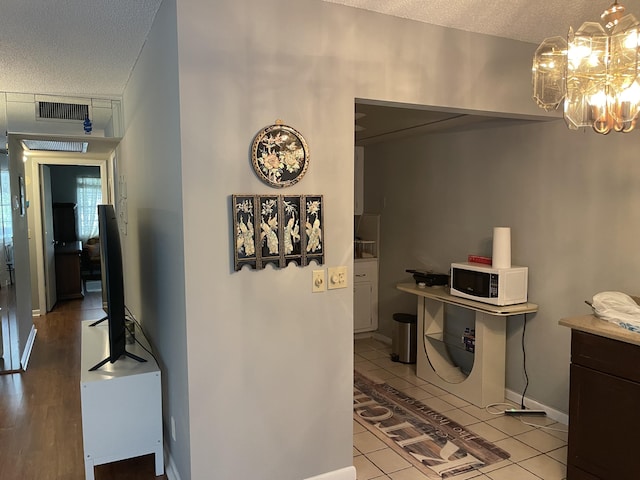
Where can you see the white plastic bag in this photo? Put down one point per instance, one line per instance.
(618, 308)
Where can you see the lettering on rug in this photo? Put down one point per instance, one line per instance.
(436, 445)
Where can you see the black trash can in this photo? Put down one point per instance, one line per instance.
(404, 338)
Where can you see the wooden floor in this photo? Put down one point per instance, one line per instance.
(40, 418)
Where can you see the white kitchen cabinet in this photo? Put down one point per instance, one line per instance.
(365, 295)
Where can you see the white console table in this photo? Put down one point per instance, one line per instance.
(485, 383)
(121, 403)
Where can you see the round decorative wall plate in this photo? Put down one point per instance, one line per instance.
(280, 155)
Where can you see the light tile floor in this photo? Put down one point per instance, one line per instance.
(536, 453)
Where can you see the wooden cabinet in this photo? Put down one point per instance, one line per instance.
(365, 295)
(604, 418)
(68, 279)
(64, 222)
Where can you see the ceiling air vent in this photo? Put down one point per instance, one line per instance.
(55, 146)
(62, 111)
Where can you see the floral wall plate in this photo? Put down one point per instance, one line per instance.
(280, 155)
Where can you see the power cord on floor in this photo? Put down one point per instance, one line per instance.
(526, 385)
(526, 376)
(545, 427)
(510, 405)
(501, 412)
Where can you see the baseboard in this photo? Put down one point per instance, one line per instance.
(170, 469)
(347, 473)
(24, 361)
(35, 312)
(374, 335)
(361, 335)
(381, 338)
(552, 413)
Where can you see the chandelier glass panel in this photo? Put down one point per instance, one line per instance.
(593, 73)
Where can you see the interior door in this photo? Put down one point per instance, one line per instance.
(49, 242)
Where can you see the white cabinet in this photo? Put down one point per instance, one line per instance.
(121, 403)
(358, 187)
(365, 295)
(362, 295)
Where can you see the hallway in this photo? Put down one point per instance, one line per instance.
(40, 416)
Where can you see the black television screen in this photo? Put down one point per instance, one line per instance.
(112, 285)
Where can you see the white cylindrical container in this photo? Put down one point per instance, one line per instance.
(501, 247)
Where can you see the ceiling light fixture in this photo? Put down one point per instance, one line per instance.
(593, 73)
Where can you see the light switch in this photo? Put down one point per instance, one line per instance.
(319, 282)
(337, 277)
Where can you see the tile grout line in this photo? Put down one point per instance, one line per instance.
(377, 358)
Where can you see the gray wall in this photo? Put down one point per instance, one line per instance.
(270, 363)
(149, 194)
(572, 200)
(257, 370)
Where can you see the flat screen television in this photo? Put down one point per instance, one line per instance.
(112, 286)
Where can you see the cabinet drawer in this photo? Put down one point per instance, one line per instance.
(605, 355)
(365, 271)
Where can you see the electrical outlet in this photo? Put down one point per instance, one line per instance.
(337, 277)
(319, 281)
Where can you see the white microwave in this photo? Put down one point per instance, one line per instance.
(483, 283)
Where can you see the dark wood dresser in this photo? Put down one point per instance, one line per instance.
(68, 280)
(604, 401)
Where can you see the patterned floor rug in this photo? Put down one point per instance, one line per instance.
(434, 444)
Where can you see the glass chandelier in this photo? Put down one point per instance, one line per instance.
(593, 73)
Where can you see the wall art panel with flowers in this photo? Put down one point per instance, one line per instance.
(277, 229)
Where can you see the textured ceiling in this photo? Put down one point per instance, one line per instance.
(87, 48)
(82, 47)
(376, 122)
(526, 20)
(71, 47)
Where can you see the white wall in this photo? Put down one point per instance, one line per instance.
(270, 363)
(572, 200)
(22, 277)
(149, 163)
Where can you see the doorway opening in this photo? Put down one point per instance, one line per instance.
(74, 192)
(82, 180)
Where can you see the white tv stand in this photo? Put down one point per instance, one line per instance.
(121, 403)
(485, 383)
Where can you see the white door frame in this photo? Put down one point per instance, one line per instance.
(37, 160)
(48, 247)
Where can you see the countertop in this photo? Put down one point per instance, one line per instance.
(442, 294)
(597, 326)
